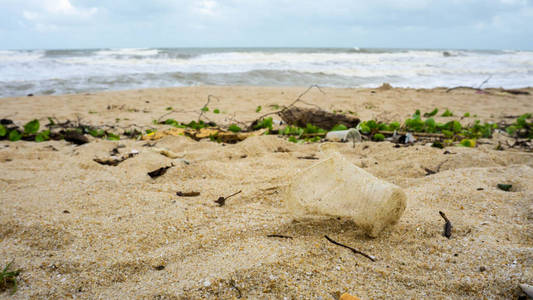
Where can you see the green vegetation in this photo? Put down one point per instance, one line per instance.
(468, 143)
(15, 135)
(8, 279)
(432, 113)
(169, 108)
(466, 115)
(447, 113)
(234, 128)
(264, 123)
(337, 127)
(205, 109)
(3, 130)
(31, 127)
(258, 109)
(216, 111)
(274, 106)
(378, 137)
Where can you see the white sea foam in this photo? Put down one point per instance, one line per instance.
(61, 71)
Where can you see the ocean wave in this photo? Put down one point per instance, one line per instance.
(32, 71)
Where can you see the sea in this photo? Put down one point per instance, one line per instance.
(38, 72)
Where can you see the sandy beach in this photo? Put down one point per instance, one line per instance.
(78, 229)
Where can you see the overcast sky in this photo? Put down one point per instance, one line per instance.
(472, 24)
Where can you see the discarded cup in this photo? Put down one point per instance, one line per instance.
(336, 187)
(344, 135)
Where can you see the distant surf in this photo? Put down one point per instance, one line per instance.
(90, 70)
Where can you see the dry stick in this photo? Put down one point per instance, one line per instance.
(222, 200)
(280, 236)
(485, 81)
(447, 226)
(348, 247)
(205, 105)
(233, 285)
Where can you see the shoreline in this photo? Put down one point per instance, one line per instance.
(78, 228)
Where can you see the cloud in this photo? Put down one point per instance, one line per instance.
(48, 15)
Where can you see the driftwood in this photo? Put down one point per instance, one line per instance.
(302, 116)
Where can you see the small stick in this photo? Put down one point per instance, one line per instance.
(233, 285)
(308, 157)
(447, 226)
(352, 249)
(280, 236)
(222, 200)
(188, 194)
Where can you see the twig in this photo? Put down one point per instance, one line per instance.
(222, 200)
(308, 157)
(447, 226)
(485, 81)
(352, 249)
(233, 285)
(202, 110)
(280, 236)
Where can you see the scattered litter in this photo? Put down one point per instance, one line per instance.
(159, 172)
(407, 138)
(344, 135)
(447, 226)
(336, 187)
(188, 194)
(222, 200)
(347, 296)
(505, 187)
(372, 258)
(528, 289)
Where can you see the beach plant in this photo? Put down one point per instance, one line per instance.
(8, 278)
(466, 115)
(468, 143)
(97, 133)
(31, 127)
(216, 111)
(3, 130)
(447, 113)
(14, 135)
(310, 128)
(432, 113)
(42, 136)
(112, 137)
(264, 123)
(339, 127)
(205, 109)
(258, 109)
(234, 128)
(378, 137)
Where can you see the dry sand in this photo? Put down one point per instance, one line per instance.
(83, 230)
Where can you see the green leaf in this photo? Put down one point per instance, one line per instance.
(378, 137)
(339, 127)
(468, 143)
(264, 123)
(416, 115)
(216, 111)
(258, 109)
(43, 136)
(205, 109)
(466, 115)
(3, 130)
(447, 113)
(112, 137)
(14, 135)
(521, 121)
(432, 113)
(511, 130)
(31, 127)
(234, 128)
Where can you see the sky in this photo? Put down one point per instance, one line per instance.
(442, 24)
